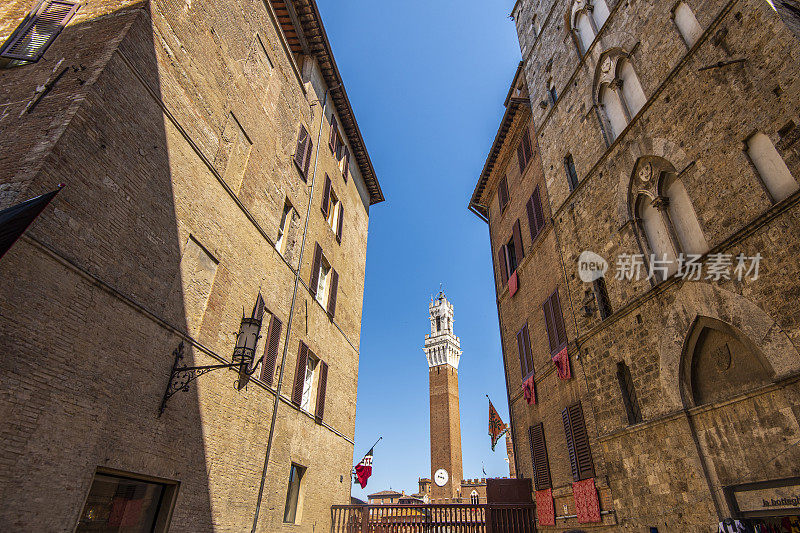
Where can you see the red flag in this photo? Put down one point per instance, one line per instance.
(497, 427)
(561, 360)
(364, 469)
(529, 390)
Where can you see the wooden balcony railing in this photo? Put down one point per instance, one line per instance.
(434, 518)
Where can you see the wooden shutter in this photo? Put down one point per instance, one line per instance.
(541, 466)
(521, 349)
(535, 214)
(314, 281)
(300, 374)
(521, 158)
(525, 355)
(580, 456)
(300, 153)
(332, 293)
(502, 193)
(326, 196)
(501, 255)
(309, 147)
(270, 358)
(558, 322)
(549, 325)
(528, 351)
(334, 134)
(519, 250)
(30, 41)
(321, 387)
(340, 224)
(346, 169)
(526, 145)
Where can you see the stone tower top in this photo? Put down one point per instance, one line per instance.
(442, 347)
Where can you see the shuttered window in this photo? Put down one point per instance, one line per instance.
(326, 196)
(333, 141)
(300, 374)
(628, 393)
(554, 321)
(535, 214)
(519, 249)
(32, 38)
(502, 193)
(271, 350)
(332, 293)
(314, 281)
(302, 156)
(580, 456)
(346, 168)
(541, 466)
(525, 354)
(524, 151)
(340, 223)
(321, 388)
(503, 261)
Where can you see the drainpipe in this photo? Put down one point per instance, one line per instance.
(289, 322)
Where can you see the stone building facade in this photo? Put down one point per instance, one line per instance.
(669, 145)
(210, 155)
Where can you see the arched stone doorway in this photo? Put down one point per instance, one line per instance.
(719, 361)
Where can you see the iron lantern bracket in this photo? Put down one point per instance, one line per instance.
(181, 376)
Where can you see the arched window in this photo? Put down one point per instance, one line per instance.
(600, 12)
(614, 111)
(632, 91)
(584, 27)
(587, 17)
(682, 216)
(771, 167)
(687, 24)
(620, 94)
(474, 498)
(656, 233)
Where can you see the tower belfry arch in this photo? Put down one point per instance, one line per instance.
(443, 351)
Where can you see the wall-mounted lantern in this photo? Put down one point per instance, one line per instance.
(243, 357)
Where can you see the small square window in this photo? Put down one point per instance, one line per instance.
(290, 514)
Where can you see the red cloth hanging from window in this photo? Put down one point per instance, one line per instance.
(513, 284)
(545, 507)
(561, 360)
(587, 504)
(529, 390)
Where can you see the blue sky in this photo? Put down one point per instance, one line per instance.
(427, 80)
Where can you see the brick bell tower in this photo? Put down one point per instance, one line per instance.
(443, 350)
